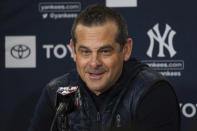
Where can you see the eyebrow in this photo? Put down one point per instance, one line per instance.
(101, 48)
(107, 46)
(82, 47)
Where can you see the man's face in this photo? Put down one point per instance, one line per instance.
(98, 57)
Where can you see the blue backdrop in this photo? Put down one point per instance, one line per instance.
(34, 38)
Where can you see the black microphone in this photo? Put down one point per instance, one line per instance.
(67, 100)
(69, 96)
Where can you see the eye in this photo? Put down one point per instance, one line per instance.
(85, 52)
(106, 51)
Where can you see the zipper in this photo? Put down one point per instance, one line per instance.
(98, 121)
(98, 116)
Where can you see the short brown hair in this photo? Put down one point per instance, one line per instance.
(98, 15)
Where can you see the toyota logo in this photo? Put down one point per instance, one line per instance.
(20, 51)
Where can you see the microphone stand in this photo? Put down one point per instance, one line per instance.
(63, 115)
(64, 123)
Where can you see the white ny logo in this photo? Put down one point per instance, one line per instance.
(161, 41)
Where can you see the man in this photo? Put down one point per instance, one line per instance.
(115, 93)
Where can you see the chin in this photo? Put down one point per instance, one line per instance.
(95, 88)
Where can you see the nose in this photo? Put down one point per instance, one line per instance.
(95, 61)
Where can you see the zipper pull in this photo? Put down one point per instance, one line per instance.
(118, 120)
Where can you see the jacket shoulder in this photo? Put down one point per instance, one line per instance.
(149, 74)
(64, 80)
(146, 78)
(142, 84)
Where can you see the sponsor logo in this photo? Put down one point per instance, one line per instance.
(59, 7)
(44, 16)
(166, 64)
(59, 10)
(161, 41)
(59, 51)
(188, 110)
(167, 67)
(121, 3)
(20, 51)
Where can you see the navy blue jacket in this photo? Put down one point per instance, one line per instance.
(142, 100)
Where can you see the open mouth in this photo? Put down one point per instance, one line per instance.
(95, 75)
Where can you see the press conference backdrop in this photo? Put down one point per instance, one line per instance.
(34, 48)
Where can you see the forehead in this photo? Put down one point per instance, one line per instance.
(105, 32)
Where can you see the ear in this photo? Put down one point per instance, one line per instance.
(127, 49)
(73, 49)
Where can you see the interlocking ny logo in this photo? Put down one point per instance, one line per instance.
(161, 40)
(20, 51)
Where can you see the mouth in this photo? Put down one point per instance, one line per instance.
(95, 76)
